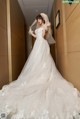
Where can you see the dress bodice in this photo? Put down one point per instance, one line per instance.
(39, 31)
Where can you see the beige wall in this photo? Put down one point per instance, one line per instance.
(67, 37)
(60, 48)
(53, 46)
(17, 39)
(4, 79)
(16, 23)
(73, 44)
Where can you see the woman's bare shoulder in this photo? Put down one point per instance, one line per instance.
(45, 27)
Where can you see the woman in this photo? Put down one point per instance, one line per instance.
(47, 24)
(40, 92)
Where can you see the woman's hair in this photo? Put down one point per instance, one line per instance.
(40, 17)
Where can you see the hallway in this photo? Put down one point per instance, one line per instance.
(15, 18)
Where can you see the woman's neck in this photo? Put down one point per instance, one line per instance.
(41, 25)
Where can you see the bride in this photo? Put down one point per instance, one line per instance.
(40, 92)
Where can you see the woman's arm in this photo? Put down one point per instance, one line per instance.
(30, 29)
(43, 33)
(32, 33)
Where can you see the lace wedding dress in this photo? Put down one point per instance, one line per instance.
(40, 92)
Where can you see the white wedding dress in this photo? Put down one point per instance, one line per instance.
(40, 92)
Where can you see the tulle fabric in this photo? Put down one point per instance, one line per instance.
(40, 92)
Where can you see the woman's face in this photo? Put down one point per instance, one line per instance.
(39, 21)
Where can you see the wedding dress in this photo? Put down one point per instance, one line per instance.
(40, 92)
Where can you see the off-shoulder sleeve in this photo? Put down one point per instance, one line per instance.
(45, 27)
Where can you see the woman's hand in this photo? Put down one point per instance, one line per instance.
(32, 33)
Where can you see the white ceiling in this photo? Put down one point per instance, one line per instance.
(31, 8)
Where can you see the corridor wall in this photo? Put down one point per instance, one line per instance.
(12, 41)
(4, 77)
(18, 38)
(67, 36)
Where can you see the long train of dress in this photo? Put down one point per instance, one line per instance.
(40, 92)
